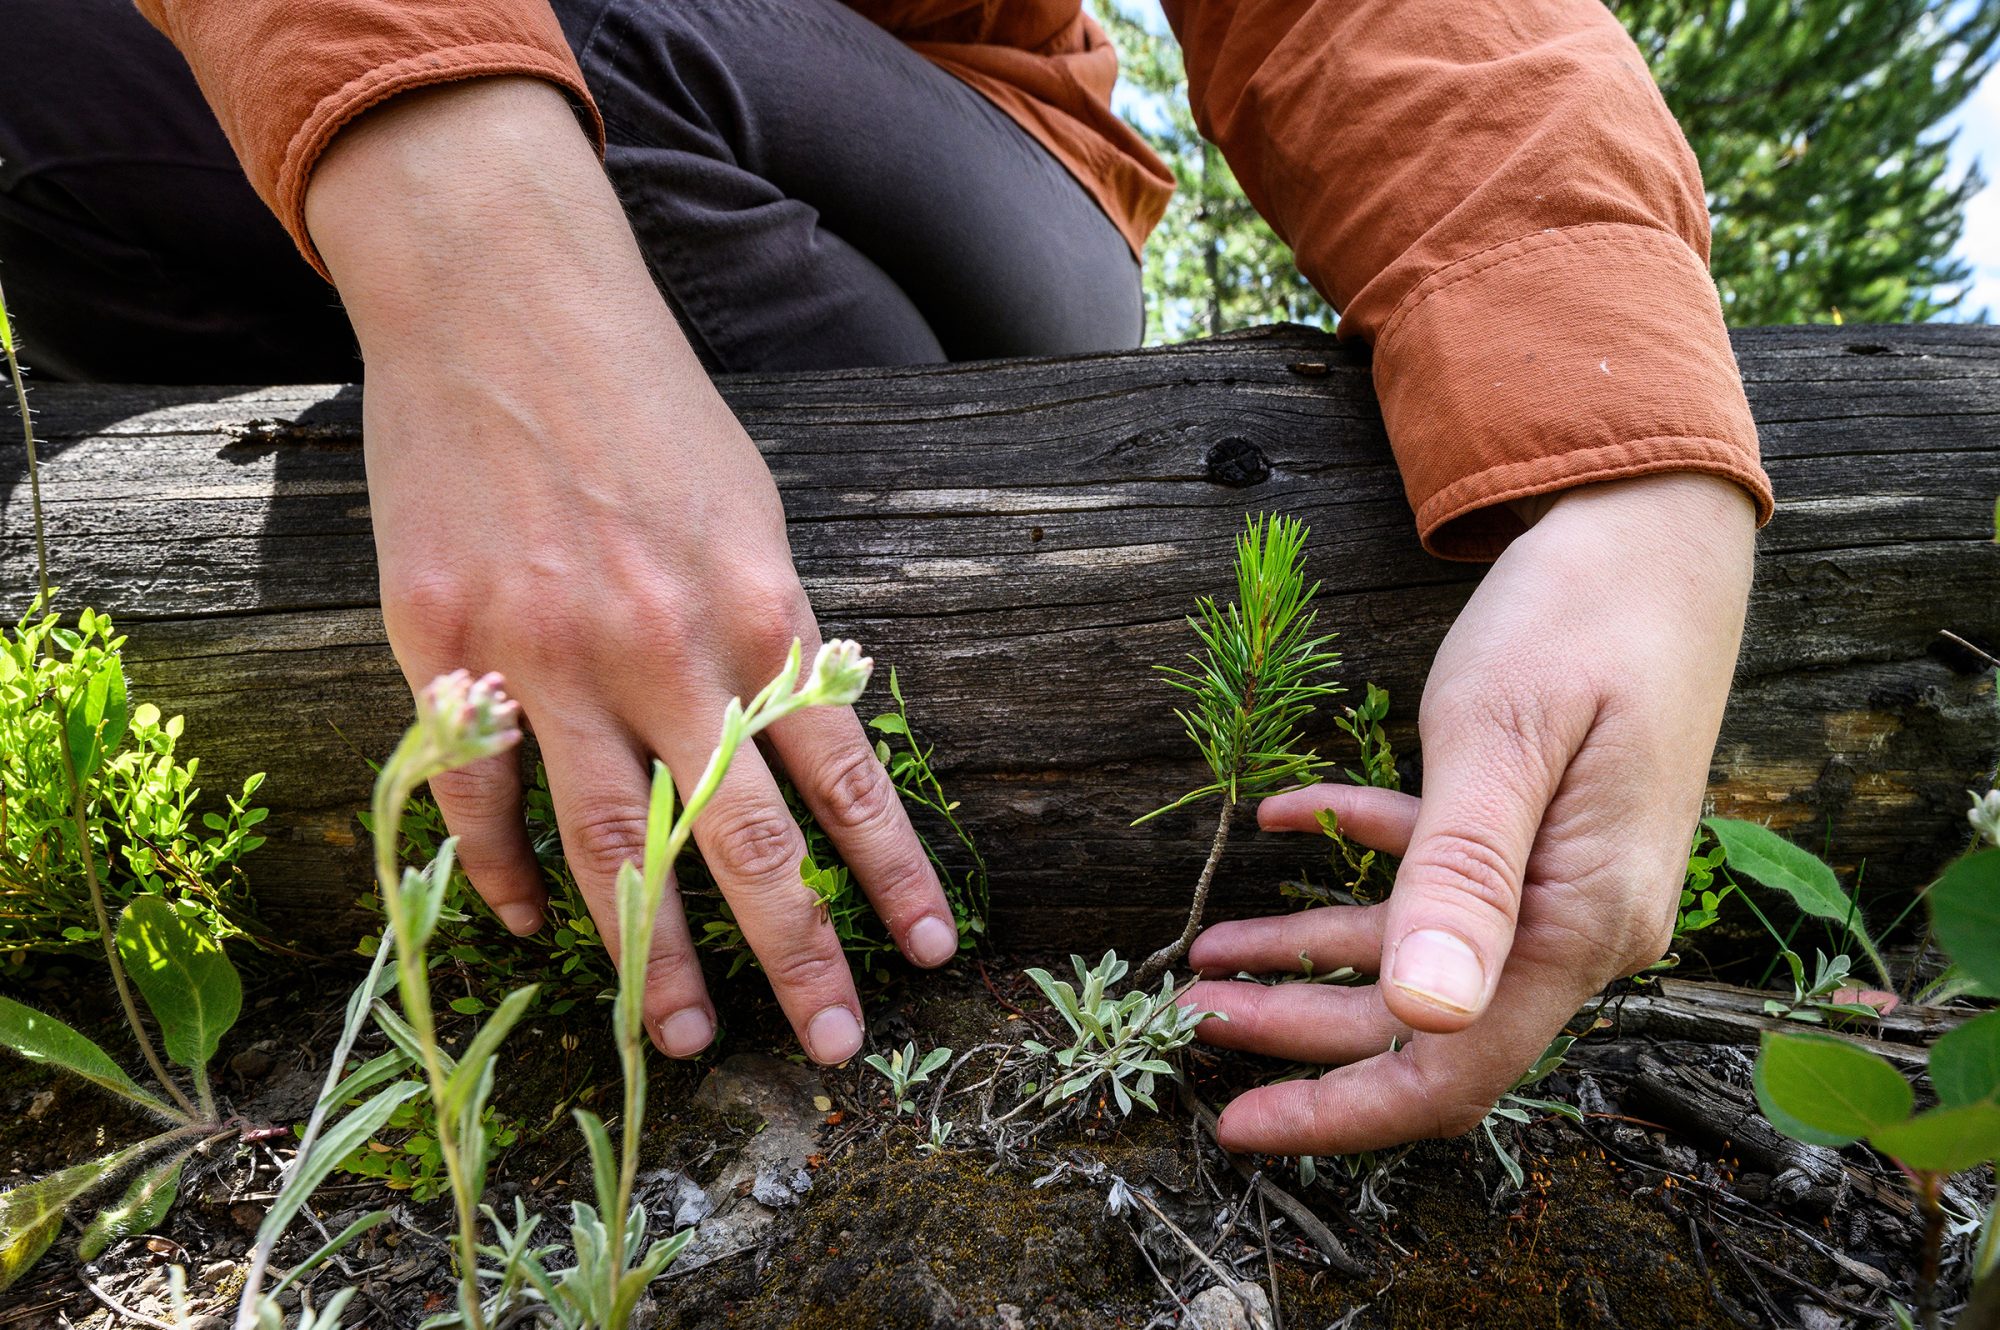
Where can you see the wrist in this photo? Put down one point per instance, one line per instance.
(477, 206)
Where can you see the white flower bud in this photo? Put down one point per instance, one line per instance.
(1985, 814)
(839, 674)
(463, 719)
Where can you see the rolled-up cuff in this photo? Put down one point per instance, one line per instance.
(1575, 355)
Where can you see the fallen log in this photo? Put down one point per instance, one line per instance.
(1021, 539)
(1702, 1013)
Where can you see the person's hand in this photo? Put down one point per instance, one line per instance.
(560, 494)
(1567, 728)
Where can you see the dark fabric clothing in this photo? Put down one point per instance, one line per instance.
(811, 193)
(808, 192)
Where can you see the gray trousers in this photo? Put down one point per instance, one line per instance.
(808, 192)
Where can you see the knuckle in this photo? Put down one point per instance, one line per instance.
(482, 792)
(602, 840)
(806, 971)
(857, 792)
(754, 844)
(772, 610)
(1458, 1117)
(1442, 1111)
(1475, 869)
(432, 611)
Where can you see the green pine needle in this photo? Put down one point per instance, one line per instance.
(1259, 673)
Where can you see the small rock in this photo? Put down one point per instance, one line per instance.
(247, 1215)
(775, 1187)
(1239, 1306)
(252, 1064)
(41, 1104)
(1007, 1316)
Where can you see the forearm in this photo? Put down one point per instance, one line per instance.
(479, 203)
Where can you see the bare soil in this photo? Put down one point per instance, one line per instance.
(1621, 1222)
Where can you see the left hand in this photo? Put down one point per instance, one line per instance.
(1567, 728)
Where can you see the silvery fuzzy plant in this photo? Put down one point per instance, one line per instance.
(158, 947)
(461, 720)
(1255, 681)
(1121, 1041)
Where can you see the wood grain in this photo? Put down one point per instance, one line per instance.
(1021, 539)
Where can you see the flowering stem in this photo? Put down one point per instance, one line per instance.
(392, 792)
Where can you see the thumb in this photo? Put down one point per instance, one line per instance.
(1450, 918)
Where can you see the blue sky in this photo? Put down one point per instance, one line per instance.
(1978, 125)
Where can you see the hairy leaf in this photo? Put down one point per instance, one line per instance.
(144, 1204)
(39, 1037)
(31, 1215)
(187, 980)
(1763, 855)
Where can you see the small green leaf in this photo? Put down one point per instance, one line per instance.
(144, 1204)
(341, 1140)
(42, 1038)
(1965, 907)
(1965, 1062)
(1836, 1090)
(187, 979)
(95, 718)
(31, 1215)
(1763, 855)
(890, 723)
(1943, 1140)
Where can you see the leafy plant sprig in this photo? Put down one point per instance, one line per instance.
(904, 1069)
(158, 946)
(1516, 1107)
(1256, 679)
(1826, 1090)
(1123, 1041)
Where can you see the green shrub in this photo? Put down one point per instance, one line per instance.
(141, 803)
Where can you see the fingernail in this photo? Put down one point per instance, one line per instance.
(833, 1036)
(686, 1033)
(519, 918)
(1441, 969)
(933, 941)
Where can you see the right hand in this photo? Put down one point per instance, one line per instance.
(560, 494)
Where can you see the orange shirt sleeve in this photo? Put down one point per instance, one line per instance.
(1497, 199)
(283, 76)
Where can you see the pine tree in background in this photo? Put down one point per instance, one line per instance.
(1214, 264)
(1814, 120)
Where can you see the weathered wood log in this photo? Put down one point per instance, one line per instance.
(1678, 1009)
(1022, 539)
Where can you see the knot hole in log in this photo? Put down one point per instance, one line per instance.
(1238, 463)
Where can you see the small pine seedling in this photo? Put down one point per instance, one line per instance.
(1257, 677)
